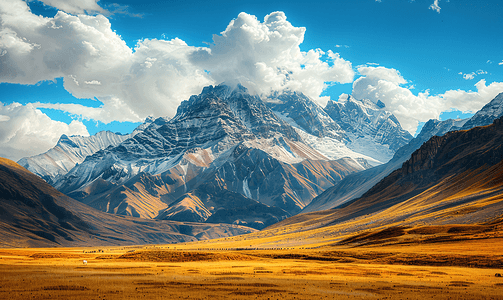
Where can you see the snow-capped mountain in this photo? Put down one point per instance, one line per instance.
(487, 114)
(355, 185)
(206, 125)
(226, 150)
(354, 128)
(69, 151)
(303, 113)
(72, 150)
(371, 129)
(222, 143)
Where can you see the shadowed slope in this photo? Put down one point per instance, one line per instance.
(32, 213)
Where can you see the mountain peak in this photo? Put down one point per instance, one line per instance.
(489, 112)
(359, 118)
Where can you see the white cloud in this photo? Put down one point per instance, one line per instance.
(155, 76)
(381, 73)
(435, 6)
(94, 82)
(501, 63)
(379, 83)
(469, 76)
(26, 131)
(265, 56)
(76, 6)
(38, 48)
(113, 110)
(95, 62)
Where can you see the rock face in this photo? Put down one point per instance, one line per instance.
(431, 128)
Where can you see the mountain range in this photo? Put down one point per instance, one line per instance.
(72, 150)
(273, 154)
(231, 157)
(356, 185)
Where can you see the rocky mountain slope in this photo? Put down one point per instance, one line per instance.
(34, 214)
(249, 174)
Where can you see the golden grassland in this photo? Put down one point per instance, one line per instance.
(444, 270)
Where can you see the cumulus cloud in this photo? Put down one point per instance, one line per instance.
(387, 85)
(76, 6)
(155, 76)
(94, 61)
(266, 56)
(26, 131)
(501, 63)
(435, 6)
(37, 48)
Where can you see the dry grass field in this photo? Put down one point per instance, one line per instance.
(444, 270)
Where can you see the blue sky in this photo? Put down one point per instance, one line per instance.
(422, 58)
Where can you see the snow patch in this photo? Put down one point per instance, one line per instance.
(246, 189)
(334, 149)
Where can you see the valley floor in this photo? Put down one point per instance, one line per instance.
(448, 270)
